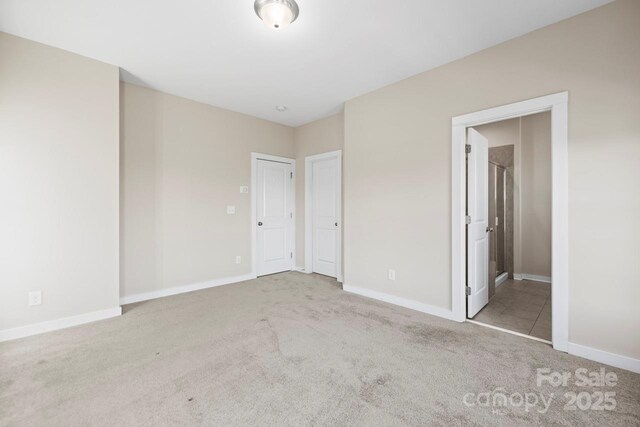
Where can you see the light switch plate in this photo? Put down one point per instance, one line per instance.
(231, 210)
(35, 298)
(392, 275)
(238, 259)
(244, 189)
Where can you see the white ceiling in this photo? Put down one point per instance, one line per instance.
(219, 52)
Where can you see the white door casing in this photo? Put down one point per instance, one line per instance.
(325, 216)
(558, 104)
(478, 228)
(274, 220)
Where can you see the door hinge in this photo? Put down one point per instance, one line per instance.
(291, 255)
(467, 290)
(291, 175)
(467, 148)
(467, 220)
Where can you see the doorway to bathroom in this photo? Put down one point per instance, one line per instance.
(518, 230)
(509, 187)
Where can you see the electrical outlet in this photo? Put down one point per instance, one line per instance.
(244, 189)
(35, 298)
(238, 259)
(392, 275)
(231, 210)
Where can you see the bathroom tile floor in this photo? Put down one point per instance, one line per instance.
(522, 306)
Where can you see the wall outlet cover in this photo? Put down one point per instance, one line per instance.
(238, 259)
(244, 189)
(231, 210)
(35, 298)
(392, 275)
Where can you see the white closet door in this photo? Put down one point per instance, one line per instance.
(326, 215)
(274, 217)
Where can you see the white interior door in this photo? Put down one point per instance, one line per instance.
(274, 216)
(478, 228)
(326, 215)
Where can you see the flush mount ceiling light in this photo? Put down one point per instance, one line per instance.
(281, 108)
(276, 13)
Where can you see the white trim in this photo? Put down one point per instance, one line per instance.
(175, 290)
(533, 277)
(510, 111)
(502, 278)
(402, 302)
(616, 360)
(497, 328)
(308, 217)
(560, 223)
(558, 105)
(298, 269)
(458, 224)
(54, 325)
(254, 232)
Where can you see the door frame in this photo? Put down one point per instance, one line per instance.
(557, 104)
(254, 194)
(308, 210)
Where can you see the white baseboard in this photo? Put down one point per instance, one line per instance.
(615, 360)
(54, 325)
(303, 270)
(502, 278)
(175, 290)
(402, 302)
(534, 277)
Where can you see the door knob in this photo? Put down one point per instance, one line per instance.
(489, 229)
(259, 223)
(336, 224)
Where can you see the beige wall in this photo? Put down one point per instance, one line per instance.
(397, 168)
(317, 137)
(535, 195)
(58, 183)
(183, 162)
(531, 137)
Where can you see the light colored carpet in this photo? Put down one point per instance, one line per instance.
(288, 349)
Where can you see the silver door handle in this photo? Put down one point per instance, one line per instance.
(489, 229)
(259, 224)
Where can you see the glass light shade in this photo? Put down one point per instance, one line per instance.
(277, 13)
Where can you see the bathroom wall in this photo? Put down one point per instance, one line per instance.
(535, 194)
(523, 146)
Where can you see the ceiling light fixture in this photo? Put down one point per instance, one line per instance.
(276, 13)
(281, 108)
